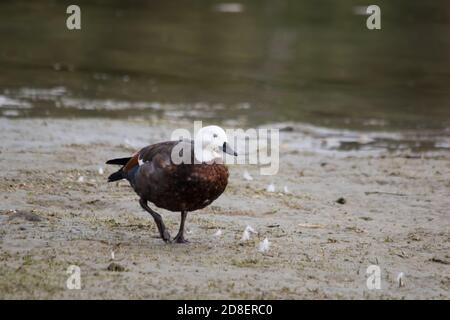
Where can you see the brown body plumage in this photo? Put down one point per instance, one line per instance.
(182, 187)
(176, 187)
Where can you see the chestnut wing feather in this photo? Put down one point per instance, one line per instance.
(163, 150)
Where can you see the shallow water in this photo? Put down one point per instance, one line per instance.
(251, 63)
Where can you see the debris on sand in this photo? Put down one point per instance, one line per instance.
(402, 254)
(115, 267)
(26, 215)
(270, 188)
(275, 225)
(101, 171)
(264, 245)
(286, 190)
(218, 233)
(439, 260)
(80, 179)
(247, 176)
(112, 255)
(246, 233)
(367, 193)
(341, 200)
(354, 229)
(414, 237)
(400, 279)
(311, 225)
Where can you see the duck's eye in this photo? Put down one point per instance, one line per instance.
(214, 135)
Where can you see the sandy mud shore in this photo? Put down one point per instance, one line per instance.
(57, 210)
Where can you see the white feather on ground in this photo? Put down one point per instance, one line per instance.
(246, 233)
(400, 279)
(270, 188)
(247, 176)
(80, 179)
(264, 245)
(218, 233)
(112, 255)
(286, 190)
(100, 170)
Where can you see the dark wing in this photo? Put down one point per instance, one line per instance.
(132, 162)
(160, 152)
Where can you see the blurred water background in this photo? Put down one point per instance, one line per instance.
(311, 65)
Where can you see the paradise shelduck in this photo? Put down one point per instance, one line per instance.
(157, 175)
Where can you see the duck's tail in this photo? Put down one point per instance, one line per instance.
(118, 175)
(119, 161)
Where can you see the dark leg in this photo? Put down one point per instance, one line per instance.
(158, 220)
(179, 238)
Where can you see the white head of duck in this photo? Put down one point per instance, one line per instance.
(210, 144)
